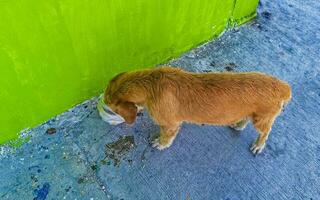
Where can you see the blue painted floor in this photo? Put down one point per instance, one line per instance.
(82, 157)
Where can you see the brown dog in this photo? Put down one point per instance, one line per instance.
(173, 96)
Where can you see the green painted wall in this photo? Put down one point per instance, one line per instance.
(55, 54)
(243, 11)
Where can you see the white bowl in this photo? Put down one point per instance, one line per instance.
(107, 114)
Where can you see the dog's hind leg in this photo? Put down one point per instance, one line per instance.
(239, 126)
(167, 135)
(263, 124)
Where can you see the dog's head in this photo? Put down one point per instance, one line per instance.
(115, 97)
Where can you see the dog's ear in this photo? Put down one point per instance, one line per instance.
(128, 111)
(110, 93)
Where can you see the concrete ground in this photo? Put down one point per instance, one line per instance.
(78, 156)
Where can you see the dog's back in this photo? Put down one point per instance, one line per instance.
(220, 98)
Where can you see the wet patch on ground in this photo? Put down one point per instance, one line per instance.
(117, 150)
(220, 67)
(266, 15)
(230, 66)
(41, 194)
(51, 131)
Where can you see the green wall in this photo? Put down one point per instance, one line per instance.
(55, 54)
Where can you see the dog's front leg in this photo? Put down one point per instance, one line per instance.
(167, 135)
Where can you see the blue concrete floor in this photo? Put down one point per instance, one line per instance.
(82, 157)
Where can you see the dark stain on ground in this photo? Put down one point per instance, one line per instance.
(85, 179)
(257, 25)
(41, 194)
(33, 167)
(68, 189)
(51, 131)
(130, 161)
(34, 178)
(230, 67)
(212, 64)
(117, 150)
(81, 180)
(94, 167)
(43, 148)
(266, 14)
(105, 162)
(236, 30)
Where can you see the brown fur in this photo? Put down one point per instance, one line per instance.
(173, 96)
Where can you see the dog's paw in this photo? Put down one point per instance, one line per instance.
(235, 127)
(156, 144)
(256, 149)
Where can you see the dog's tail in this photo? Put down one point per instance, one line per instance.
(285, 94)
